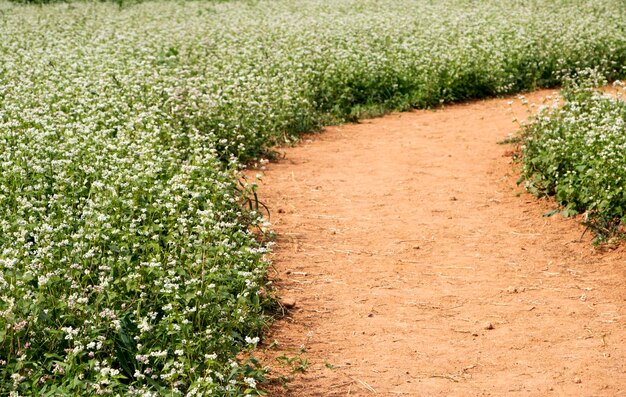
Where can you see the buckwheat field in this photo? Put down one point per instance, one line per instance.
(129, 254)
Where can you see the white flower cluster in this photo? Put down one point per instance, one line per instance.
(576, 152)
(123, 242)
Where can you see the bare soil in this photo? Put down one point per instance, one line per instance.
(418, 267)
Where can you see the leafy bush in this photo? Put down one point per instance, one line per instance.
(576, 153)
(125, 254)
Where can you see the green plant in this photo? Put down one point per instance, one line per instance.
(297, 363)
(575, 152)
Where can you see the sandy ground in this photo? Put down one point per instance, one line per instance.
(419, 268)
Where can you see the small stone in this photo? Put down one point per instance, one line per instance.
(289, 303)
(488, 325)
(577, 380)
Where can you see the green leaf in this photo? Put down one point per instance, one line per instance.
(551, 213)
(568, 212)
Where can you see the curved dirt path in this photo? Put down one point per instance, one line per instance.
(419, 268)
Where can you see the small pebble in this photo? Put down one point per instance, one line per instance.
(577, 380)
(488, 325)
(289, 303)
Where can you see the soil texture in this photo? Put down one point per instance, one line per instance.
(413, 265)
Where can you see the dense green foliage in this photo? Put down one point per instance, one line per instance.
(577, 152)
(127, 264)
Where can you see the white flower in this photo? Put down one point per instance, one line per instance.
(144, 326)
(251, 382)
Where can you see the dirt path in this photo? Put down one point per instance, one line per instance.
(419, 269)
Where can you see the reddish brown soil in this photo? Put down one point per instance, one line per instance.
(419, 268)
